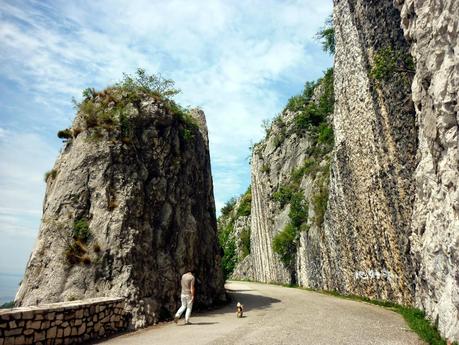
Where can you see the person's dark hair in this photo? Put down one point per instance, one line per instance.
(189, 268)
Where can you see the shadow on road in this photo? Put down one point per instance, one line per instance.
(249, 300)
(201, 323)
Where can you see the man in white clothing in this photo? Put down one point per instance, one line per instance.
(187, 297)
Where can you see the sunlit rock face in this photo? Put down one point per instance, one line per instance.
(368, 222)
(432, 28)
(363, 244)
(146, 200)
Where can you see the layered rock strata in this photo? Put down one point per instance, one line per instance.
(362, 246)
(366, 246)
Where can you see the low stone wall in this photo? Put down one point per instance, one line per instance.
(62, 323)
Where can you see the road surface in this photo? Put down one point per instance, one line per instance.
(276, 315)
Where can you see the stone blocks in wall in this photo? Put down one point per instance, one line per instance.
(63, 323)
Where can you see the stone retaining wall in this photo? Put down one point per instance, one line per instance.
(62, 323)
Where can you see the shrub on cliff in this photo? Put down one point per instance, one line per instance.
(388, 62)
(152, 84)
(116, 106)
(284, 244)
(65, 134)
(245, 205)
(245, 241)
(298, 102)
(229, 205)
(326, 36)
(228, 244)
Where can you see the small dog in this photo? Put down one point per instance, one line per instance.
(240, 310)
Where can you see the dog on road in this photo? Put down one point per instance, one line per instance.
(240, 310)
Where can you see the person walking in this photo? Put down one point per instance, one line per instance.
(187, 297)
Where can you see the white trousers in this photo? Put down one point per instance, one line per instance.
(187, 303)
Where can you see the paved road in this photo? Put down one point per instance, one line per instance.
(276, 315)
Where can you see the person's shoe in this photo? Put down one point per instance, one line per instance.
(176, 319)
(188, 323)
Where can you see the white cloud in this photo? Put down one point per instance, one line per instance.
(228, 57)
(25, 157)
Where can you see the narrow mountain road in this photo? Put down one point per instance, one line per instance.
(276, 315)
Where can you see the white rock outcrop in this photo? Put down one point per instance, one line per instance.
(432, 28)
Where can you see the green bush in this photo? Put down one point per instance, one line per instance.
(327, 36)
(325, 134)
(65, 134)
(309, 167)
(229, 259)
(387, 62)
(245, 206)
(150, 84)
(310, 116)
(298, 210)
(113, 107)
(50, 174)
(89, 93)
(284, 244)
(187, 134)
(228, 244)
(81, 231)
(265, 169)
(283, 195)
(229, 206)
(327, 99)
(319, 201)
(299, 102)
(245, 241)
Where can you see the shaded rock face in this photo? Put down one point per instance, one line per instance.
(432, 27)
(367, 228)
(150, 209)
(234, 234)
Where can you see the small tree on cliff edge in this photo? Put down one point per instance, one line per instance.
(326, 36)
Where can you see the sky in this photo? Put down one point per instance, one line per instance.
(239, 61)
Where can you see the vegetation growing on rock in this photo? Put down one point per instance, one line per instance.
(78, 249)
(388, 61)
(327, 36)
(234, 231)
(115, 109)
(311, 116)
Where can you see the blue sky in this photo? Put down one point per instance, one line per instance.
(239, 61)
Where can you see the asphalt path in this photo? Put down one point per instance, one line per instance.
(276, 315)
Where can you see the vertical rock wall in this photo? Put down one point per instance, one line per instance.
(267, 220)
(144, 192)
(432, 27)
(367, 228)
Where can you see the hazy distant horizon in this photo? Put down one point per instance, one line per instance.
(9, 284)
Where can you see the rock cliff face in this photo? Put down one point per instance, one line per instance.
(289, 174)
(432, 28)
(383, 221)
(368, 224)
(129, 207)
(234, 234)
(360, 245)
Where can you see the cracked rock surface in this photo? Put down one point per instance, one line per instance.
(150, 209)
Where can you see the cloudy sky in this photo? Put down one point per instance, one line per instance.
(239, 61)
